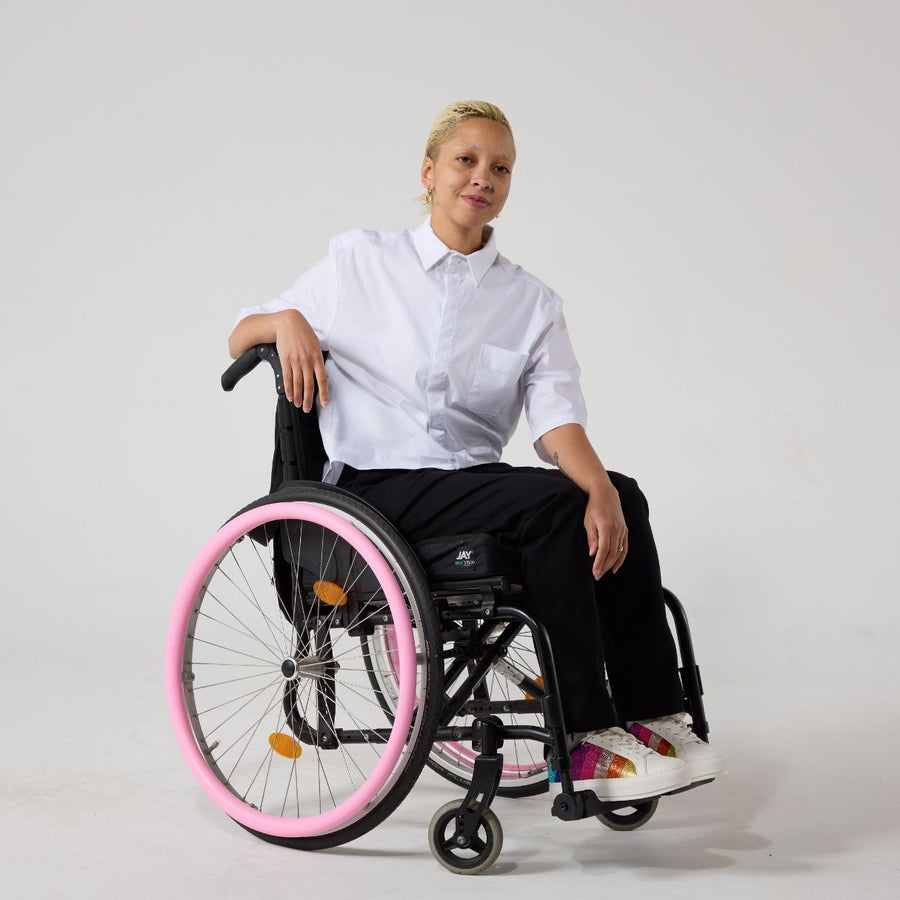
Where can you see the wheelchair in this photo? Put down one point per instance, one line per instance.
(315, 663)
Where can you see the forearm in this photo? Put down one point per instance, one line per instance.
(299, 352)
(253, 330)
(262, 328)
(571, 451)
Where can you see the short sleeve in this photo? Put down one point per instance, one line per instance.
(553, 394)
(314, 294)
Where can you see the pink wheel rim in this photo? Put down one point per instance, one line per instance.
(197, 574)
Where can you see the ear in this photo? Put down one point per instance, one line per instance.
(428, 173)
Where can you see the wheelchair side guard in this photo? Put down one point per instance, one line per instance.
(689, 672)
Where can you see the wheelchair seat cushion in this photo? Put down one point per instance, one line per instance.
(462, 557)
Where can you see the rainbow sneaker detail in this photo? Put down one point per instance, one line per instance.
(616, 766)
(671, 736)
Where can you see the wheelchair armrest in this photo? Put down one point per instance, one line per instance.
(249, 360)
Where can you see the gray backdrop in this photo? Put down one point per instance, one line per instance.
(711, 186)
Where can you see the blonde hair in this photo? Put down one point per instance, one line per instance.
(455, 114)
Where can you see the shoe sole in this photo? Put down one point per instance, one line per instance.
(710, 769)
(629, 788)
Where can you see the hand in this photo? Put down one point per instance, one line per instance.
(301, 359)
(604, 523)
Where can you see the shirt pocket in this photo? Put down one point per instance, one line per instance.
(495, 385)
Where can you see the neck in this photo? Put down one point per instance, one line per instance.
(462, 240)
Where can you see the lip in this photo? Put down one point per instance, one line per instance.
(475, 201)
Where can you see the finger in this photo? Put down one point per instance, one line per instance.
(309, 387)
(601, 565)
(298, 386)
(601, 553)
(322, 379)
(286, 383)
(591, 530)
(609, 559)
(602, 561)
(620, 558)
(616, 550)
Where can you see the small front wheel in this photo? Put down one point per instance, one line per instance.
(630, 817)
(483, 848)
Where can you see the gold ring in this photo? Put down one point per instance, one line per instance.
(621, 547)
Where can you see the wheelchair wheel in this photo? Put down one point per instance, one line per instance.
(630, 817)
(481, 852)
(501, 693)
(266, 675)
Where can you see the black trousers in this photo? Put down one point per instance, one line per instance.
(613, 627)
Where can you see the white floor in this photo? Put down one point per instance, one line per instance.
(96, 802)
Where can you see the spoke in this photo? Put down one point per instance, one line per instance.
(268, 662)
(296, 584)
(260, 691)
(293, 776)
(319, 764)
(254, 637)
(230, 665)
(280, 720)
(251, 731)
(201, 687)
(367, 730)
(209, 709)
(347, 757)
(251, 600)
(364, 694)
(270, 574)
(296, 581)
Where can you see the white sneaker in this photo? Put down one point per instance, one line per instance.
(672, 737)
(616, 766)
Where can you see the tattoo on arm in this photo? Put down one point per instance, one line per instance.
(558, 466)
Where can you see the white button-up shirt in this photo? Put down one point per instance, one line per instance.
(432, 353)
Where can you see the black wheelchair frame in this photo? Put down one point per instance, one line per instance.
(469, 611)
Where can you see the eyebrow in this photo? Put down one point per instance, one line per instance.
(477, 148)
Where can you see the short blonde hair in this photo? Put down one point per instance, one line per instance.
(454, 115)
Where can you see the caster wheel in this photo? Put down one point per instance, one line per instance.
(481, 853)
(630, 817)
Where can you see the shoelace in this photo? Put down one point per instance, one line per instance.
(667, 724)
(620, 742)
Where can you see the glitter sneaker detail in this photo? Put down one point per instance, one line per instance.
(591, 761)
(702, 761)
(615, 765)
(652, 740)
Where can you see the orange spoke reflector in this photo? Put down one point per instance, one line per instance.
(539, 681)
(284, 745)
(328, 592)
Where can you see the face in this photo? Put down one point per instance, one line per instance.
(470, 178)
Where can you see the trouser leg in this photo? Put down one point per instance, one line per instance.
(641, 660)
(541, 512)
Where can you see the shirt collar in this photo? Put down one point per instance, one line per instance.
(432, 250)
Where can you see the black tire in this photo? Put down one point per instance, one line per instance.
(473, 860)
(409, 576)
(630, 817)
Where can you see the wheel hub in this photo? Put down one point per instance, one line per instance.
(313, 667)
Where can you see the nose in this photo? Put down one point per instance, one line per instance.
(482, 178)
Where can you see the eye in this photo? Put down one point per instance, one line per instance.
(503, 170)
(465, 160)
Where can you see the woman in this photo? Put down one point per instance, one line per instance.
(436, 343)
